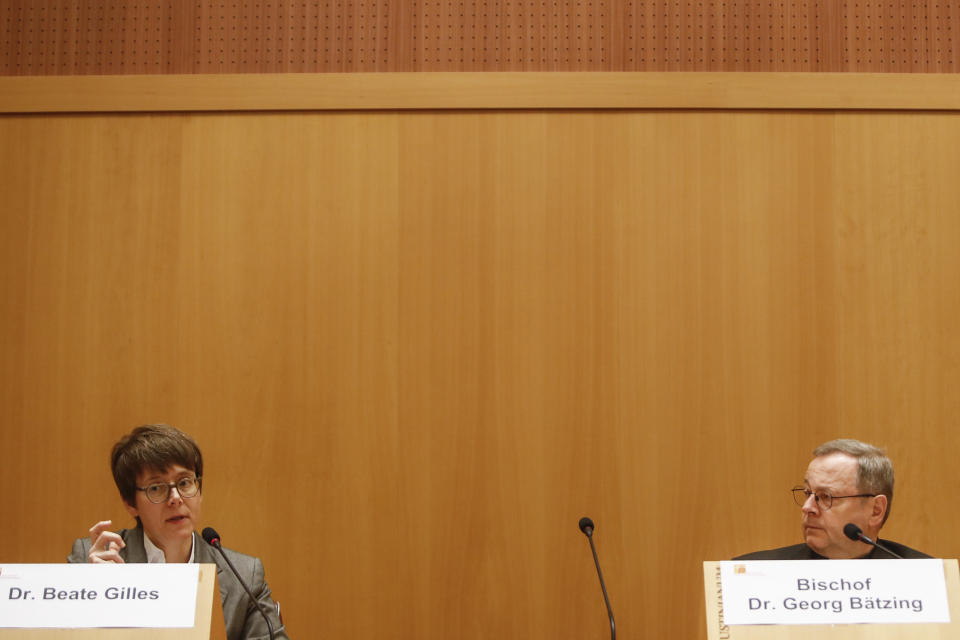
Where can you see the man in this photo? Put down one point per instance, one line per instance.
(158, 470)
(847, 481)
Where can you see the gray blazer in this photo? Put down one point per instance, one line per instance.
(240, 617)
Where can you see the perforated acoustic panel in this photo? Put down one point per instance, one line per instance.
(115, 37)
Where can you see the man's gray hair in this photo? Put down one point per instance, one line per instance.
(874, 469)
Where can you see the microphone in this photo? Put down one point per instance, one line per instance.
(586, 525)
(855, 533)
(211, 537)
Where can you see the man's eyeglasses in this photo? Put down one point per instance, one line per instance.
(158, 492)
(824, 499)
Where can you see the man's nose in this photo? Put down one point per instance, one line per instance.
(170, 496)
(811, 505)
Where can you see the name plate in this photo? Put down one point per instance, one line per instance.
(834, 592)
(98, 595)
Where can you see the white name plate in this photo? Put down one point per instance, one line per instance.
(834, 592)
(98, 595)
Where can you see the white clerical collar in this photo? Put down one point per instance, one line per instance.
(155, 554)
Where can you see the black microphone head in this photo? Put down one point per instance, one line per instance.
(586, 525)
(210, 536)
(852, 531)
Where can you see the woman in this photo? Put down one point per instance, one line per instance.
(158, 470)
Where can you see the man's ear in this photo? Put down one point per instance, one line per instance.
(132, 510)
(879, 511)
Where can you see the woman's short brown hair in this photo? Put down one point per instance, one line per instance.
(154, 447)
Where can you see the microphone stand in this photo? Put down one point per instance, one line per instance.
(586, 525)
(215, 543)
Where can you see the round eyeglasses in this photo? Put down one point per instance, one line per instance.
(823, 499)
(158, 492)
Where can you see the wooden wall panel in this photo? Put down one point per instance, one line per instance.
(485, 91)
(84, 37)
(417, 347)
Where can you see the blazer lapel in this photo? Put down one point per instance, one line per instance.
(205, 554)
(133, 551)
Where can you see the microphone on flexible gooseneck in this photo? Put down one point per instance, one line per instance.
(586, 525)
(855, 533)
(212, 538)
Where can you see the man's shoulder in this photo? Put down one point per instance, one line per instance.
(793, 552)
(901, 550)
(803, 552)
